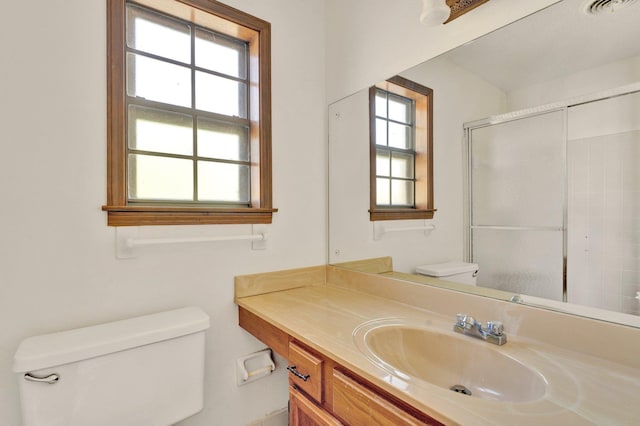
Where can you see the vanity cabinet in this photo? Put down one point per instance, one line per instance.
(323, 392)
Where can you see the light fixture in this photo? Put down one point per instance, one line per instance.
(434, 12)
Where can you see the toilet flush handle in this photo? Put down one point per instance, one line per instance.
(50, 379)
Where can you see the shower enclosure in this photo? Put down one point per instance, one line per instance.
(552, 202)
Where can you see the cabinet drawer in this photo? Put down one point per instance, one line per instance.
(362, 406)
(307, 371)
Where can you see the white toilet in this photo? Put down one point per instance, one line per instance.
(459, 272)
(137, 372)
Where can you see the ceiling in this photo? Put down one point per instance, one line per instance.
(559, 40)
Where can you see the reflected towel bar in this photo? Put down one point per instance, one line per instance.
(378, 232)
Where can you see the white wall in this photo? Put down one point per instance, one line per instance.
(371, 40)
(585, 82)
(57, 264)
(459, 96)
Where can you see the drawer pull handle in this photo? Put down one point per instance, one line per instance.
(292, 369)
(50, 379)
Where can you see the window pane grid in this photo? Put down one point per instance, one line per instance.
(400, 109)
(391, 120)
(166, 22)
(382, 109)
(219, 45)
(158, 33)
(188, 157)
(237, 121)
(233, 122)
(395, 185)
(186, 64)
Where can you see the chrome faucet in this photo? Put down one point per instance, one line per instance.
(492, 333)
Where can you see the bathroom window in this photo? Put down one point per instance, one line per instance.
(189, 131)
(401, 166)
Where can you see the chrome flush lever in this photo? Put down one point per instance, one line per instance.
(50, 379)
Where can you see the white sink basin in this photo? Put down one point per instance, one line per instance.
(418, 353)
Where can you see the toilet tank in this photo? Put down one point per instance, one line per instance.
(146, 371)
(460, 272)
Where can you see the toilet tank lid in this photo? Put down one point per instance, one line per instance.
(50, 350)
(446, 269)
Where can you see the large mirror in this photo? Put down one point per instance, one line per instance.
(536, 139)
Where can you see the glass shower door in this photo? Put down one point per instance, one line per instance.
(604, 204)
(517, 192)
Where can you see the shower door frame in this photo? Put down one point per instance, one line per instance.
(468, 192)
(562, 106)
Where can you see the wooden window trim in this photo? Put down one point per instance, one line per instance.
(423, 97)
(218, 17)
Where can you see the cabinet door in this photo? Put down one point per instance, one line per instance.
(303, 412)
(361, 406)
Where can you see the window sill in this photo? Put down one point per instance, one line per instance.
(400, 214)
(153, 215)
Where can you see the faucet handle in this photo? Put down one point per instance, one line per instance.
(465, 320)
(495, 327)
